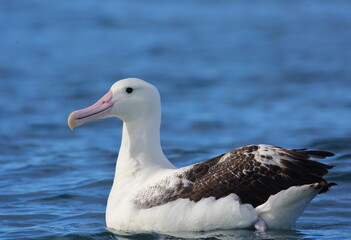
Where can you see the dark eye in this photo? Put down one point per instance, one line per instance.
(129, 90)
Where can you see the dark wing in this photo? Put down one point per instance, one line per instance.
(252, 172)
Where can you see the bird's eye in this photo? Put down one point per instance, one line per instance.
(129, 90)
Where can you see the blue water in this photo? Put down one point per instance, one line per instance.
(230, 73)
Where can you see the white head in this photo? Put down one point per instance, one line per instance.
(130, 99)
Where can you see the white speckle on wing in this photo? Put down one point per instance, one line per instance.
(160, 193)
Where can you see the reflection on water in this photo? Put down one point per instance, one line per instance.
(238, 234)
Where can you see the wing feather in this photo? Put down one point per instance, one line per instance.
(252, 172)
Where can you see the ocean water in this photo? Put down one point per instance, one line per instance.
(230, 73)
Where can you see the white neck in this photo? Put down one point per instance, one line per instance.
(141, 150)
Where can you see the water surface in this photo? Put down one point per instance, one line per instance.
(229, 73)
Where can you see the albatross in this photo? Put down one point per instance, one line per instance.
(261, 186)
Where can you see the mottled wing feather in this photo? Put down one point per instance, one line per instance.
(174, 186)
(252, 172)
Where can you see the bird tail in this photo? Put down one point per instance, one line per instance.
(282, 210)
